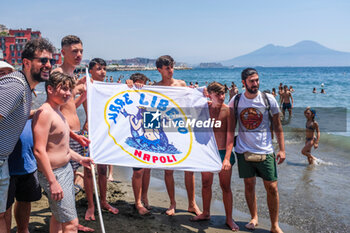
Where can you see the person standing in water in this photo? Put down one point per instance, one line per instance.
(310, 139)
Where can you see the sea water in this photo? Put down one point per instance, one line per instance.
(312, 198)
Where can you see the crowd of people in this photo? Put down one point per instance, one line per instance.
(43, 148)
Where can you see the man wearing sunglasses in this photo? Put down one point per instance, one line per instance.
(15, 103)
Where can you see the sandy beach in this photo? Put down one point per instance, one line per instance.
(128, 220)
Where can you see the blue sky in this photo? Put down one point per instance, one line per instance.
(191, 31)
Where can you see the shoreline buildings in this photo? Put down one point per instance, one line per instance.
(12, 42)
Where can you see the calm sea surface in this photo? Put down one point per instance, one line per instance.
(312, 198)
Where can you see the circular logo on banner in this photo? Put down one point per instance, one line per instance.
(251, 118)
(136, 122)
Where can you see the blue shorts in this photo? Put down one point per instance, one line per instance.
(232, 158)
(286, 106)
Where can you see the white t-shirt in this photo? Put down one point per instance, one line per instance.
(254, 134)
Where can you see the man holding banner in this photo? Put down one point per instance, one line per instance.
(165, 66)
(97, 69)
(153, 127)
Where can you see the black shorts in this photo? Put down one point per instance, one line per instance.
(286, 106)
(24, 188)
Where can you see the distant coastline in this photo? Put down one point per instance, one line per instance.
(140, 68)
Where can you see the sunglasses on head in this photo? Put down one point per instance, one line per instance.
(44, 60)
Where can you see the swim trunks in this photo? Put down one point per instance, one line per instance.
(232, 158)
(74, 145)
(24, 188)
(286, 106)
(266, 169)
(63, 210)
(4, 183)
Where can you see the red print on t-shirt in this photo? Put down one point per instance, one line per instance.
(251, 118)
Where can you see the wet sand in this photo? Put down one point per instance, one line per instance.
(128, 220)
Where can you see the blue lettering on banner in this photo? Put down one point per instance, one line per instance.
(119, 105)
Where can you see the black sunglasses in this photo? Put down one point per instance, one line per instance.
(44, 60)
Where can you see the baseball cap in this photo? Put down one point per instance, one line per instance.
(6, 65)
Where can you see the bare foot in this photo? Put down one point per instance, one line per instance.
(276, 230)
(195, 210)
(171, 210)
(232, 225)
(109, 208)
(110, 178)
(85, 229)
(146, 204)
(90, 214)
(252, 224)
(201, 217)
(142, 210)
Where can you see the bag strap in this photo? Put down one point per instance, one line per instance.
(268, 107)
(236, 101)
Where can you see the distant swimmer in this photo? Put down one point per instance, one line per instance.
(274, 92)
(310, 140)
(291, 89)
(287, 101)
(314, 90)
(233, 90)
(323, 91)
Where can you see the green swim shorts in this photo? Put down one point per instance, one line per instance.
(232, 158)
(266, 169)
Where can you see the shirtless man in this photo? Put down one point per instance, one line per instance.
(165, 66)
(286, 99)
(51, 149)
(72, 50)
(233, 90)
(97, 69)
(224, 141)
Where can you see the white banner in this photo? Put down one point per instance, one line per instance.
(152, 127)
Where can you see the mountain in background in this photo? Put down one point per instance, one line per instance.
(304, 53)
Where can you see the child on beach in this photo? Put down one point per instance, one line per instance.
(141, 176)
(311, 140)
(52, 152)
(97, 69)
(224, 140)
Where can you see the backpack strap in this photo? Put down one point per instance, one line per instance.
(268, 107)
(236, 101)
